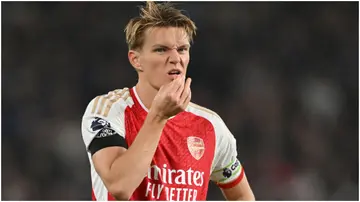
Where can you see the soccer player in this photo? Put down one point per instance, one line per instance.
(149, 142)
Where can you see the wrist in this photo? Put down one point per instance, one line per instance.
(156, 118)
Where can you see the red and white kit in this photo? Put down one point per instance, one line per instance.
(195, 147)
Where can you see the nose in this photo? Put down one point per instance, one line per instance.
(174, 57)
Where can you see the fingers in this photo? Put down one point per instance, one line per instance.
(173, 97)
(174, 88)
(186, 91)
(187, 101)
(179, 85)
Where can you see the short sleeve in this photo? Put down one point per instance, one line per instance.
(227, 170)
(103, 117)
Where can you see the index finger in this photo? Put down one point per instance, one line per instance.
(187, 83)
(186, 87)
(176, 84)
(170, 85)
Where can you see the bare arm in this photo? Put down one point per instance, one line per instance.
(123, 170)
(240, 192)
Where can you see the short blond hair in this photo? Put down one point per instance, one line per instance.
(156, 15)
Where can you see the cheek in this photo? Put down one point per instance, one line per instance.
(186, 59)
(153, 63)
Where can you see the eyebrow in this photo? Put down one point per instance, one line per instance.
(160, 45)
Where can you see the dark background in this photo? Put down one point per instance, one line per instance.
(282, 75)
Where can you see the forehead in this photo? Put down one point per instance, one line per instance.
(169, 36)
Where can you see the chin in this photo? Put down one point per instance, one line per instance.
(164, 83)
(157, 86)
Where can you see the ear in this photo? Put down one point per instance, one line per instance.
(135, 60)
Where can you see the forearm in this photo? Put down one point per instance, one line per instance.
(240, 192)
(247, 197)
(129, 169)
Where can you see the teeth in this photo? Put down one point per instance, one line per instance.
(174, 72)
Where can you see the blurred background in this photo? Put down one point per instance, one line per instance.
(282, 75)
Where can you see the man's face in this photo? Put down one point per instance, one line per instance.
(164, 56)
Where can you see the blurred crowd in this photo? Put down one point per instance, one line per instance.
(282, 75)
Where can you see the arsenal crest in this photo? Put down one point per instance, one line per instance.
(196, 147)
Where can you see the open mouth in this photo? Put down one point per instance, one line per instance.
(174, 72)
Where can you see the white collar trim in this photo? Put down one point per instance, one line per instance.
(141, 104)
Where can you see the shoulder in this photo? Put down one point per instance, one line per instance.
(114, 101)
(220, 128)
(203, 112)
(104, 115)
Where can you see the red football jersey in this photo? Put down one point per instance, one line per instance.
(195, 147)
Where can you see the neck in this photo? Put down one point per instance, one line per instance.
(146, 93)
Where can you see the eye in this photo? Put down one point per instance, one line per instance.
(183, 49)
(160, 50)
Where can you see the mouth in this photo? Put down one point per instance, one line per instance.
(174, 72)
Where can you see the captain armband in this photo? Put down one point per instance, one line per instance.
(105, 136)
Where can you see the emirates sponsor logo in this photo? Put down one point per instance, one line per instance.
(173, 185)
(196, 147)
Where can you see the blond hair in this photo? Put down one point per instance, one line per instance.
(156, 15)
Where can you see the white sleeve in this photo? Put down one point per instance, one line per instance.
(103, 111)
(227, 170)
